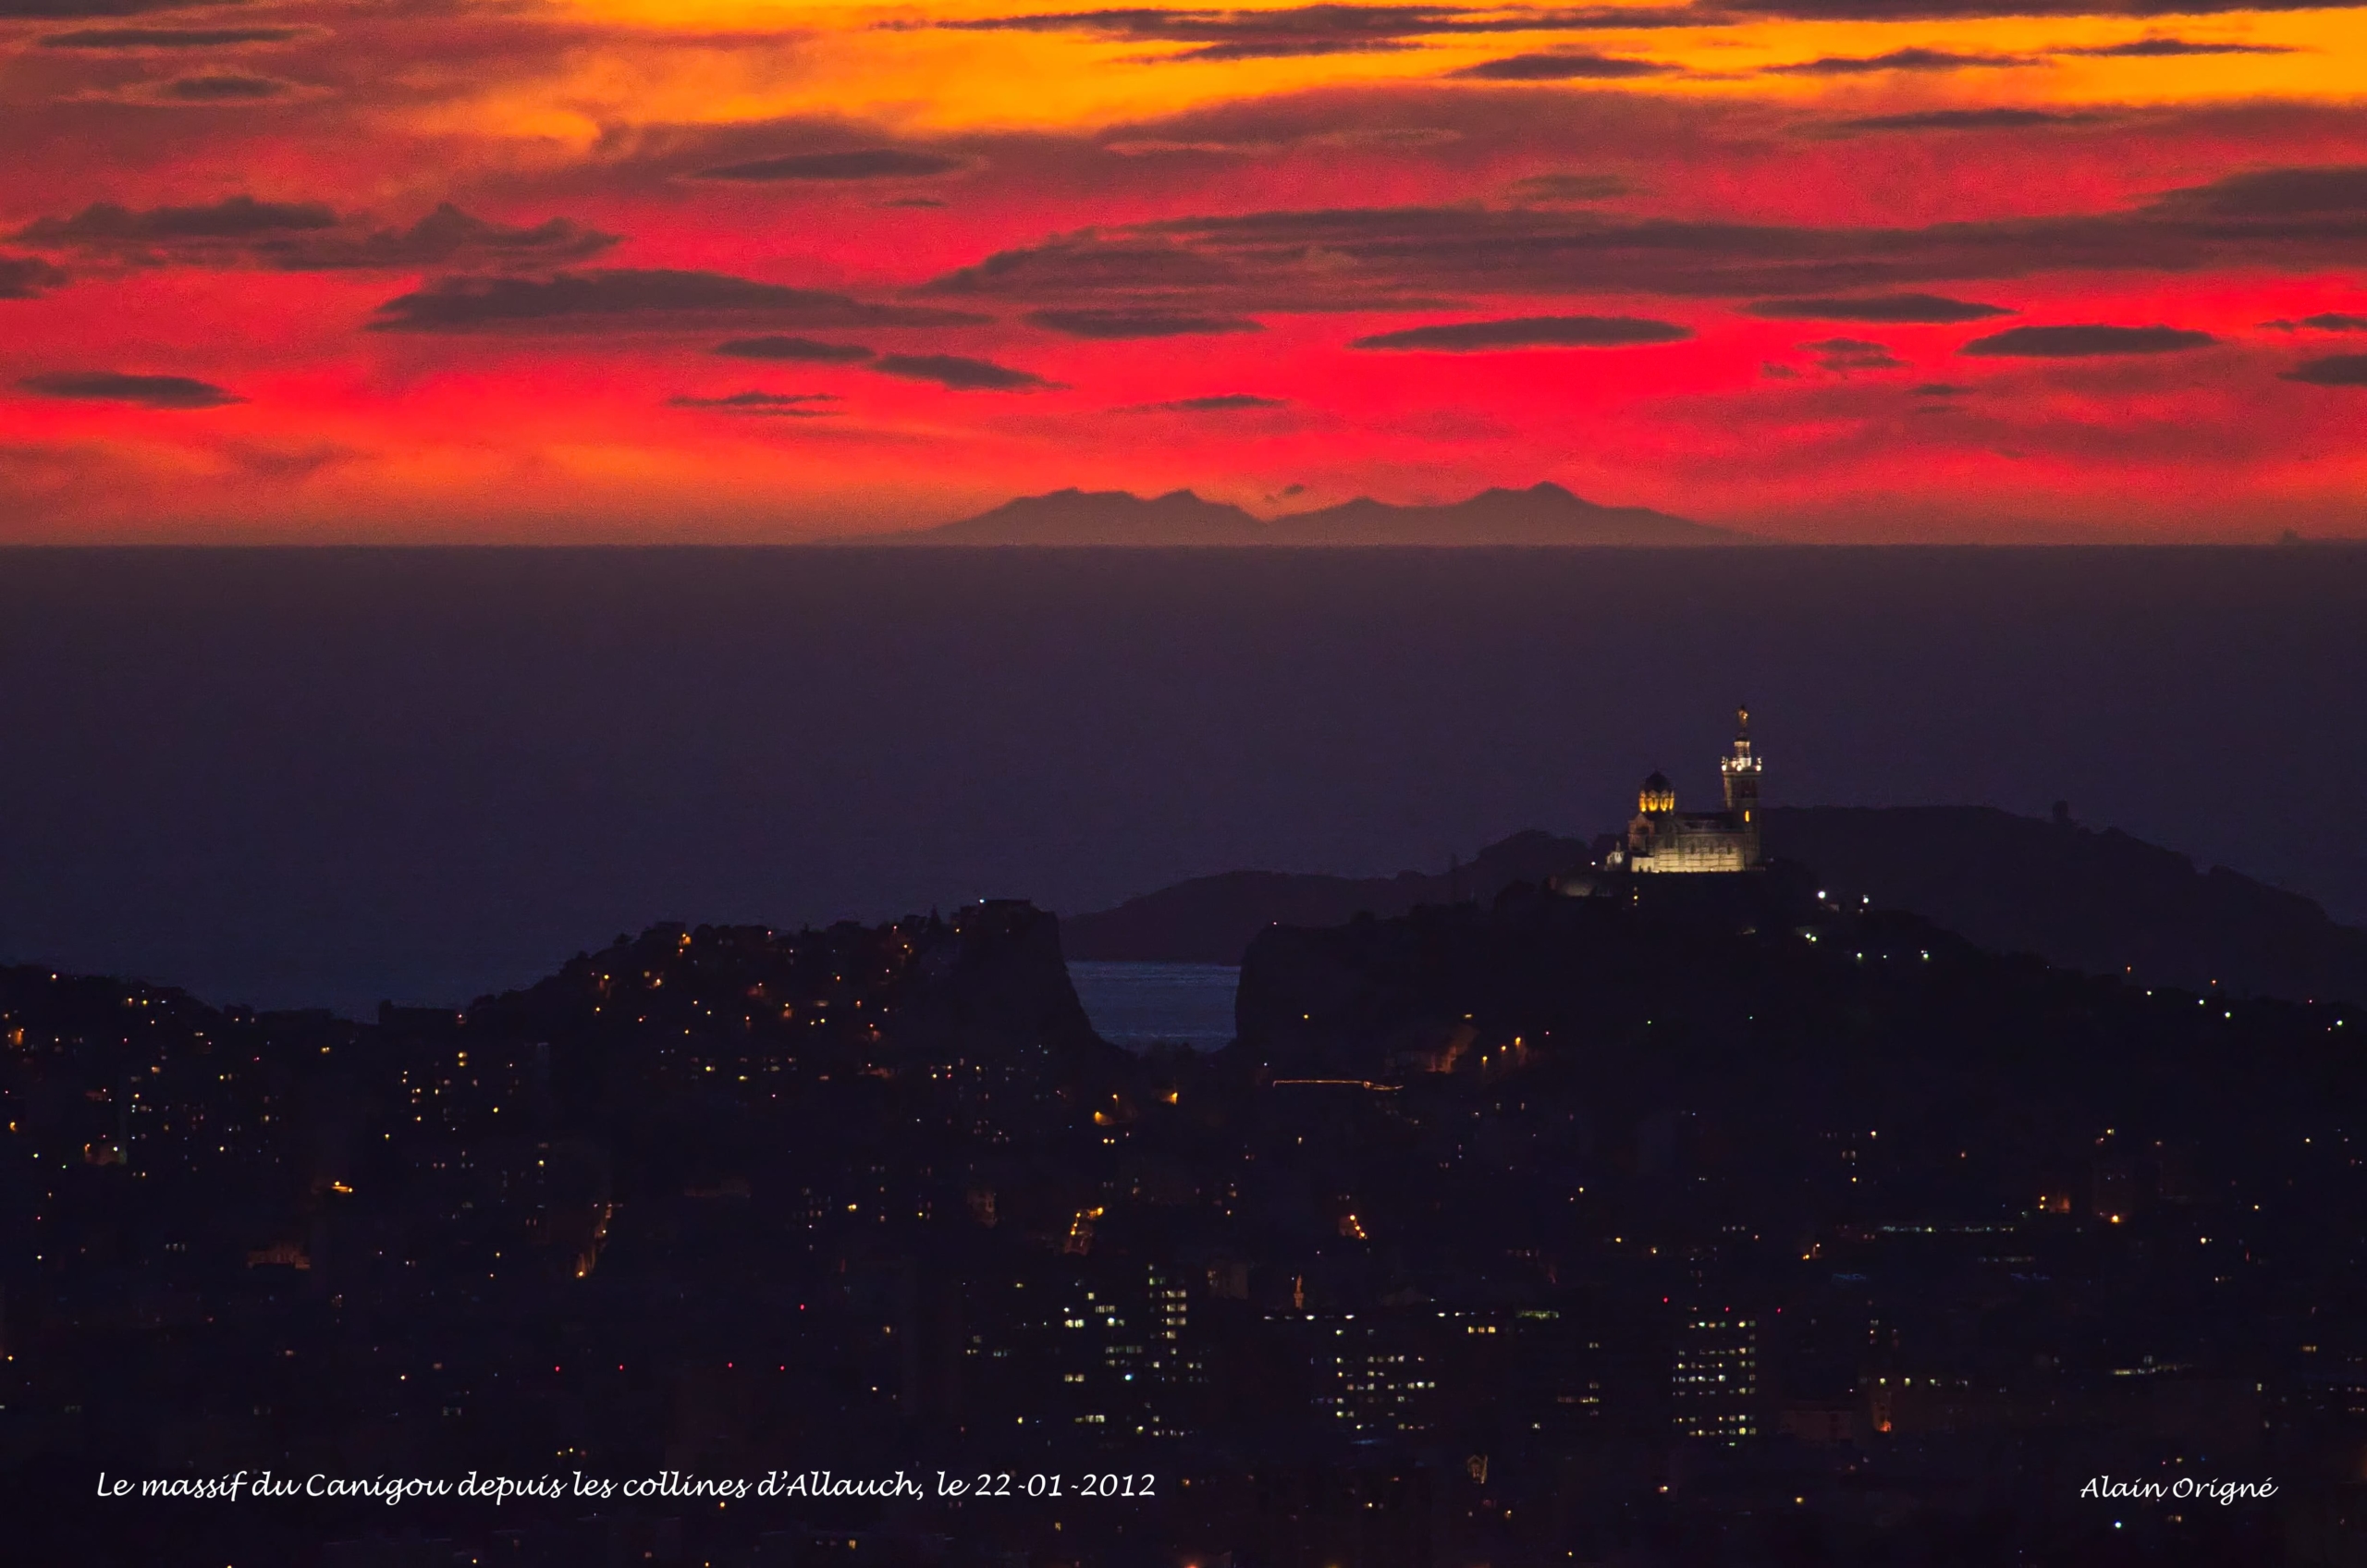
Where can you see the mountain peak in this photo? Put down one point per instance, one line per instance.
(1543, 514)
(1072, 516)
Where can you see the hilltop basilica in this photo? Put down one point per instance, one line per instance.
(1661, 839)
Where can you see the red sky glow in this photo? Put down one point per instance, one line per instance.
(752, 270)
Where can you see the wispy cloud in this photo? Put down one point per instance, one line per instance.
(1970, 120)
(144, 38)
(1220, 403)
(1902, 308)
(2086, 342)
(1853, 353)
(793, 349)
(1897, 60)
(789, 405)
(1124, 323)
(115, 386)
(956, 372)
(873, 162)
(1563, 67)
(2170, 48)
(1530, 332)
(654, 296)
(2334, 370)
(310, 236)
(22, 277)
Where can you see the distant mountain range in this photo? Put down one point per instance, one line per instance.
(1542, 514)
(2101, 902)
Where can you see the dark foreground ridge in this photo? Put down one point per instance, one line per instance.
(2098, 900)
(1698, 1221)
(1544, 514)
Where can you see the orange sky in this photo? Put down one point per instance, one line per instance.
(668, 271)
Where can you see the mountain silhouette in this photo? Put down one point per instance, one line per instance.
(1543, 514)
(1096, 517)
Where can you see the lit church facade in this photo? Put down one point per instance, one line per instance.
(1661, 839)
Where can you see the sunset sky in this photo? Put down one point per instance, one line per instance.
(669, 270)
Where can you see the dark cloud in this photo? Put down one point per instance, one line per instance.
(794, 349)
(1852, 353)
(875, 162)
(22, 277)
(1153, 25)
(961, 374)
(308, 237)
(590, 301)
(1391, 257)
(238, 218)
(447, 236)
(2329, 321)
(71, 10)
(778, 405)
(1941, 10)
(1309, 30)
(1897, 60)
(2334, 370)
(166, 37)
(2339, 191)
(1966, 120)
(112, 386)
(1940, 389)
(2154, 48)
(2085, 342)
(1237, 141)
(223, 89)
(1139, 324)
(1561, 67)
(1897, 308)
(1280, 49)
(1223, 403)
(1530, 332)
(1332, 28)
(1088, 261)
(1597, 18)
(914, 202)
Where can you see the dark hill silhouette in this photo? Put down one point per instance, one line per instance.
(1211, 919)
(2081, 897)
(1095, 516)
(2098, 900)
(1540, 515)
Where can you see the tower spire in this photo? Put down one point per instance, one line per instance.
(1739, 773)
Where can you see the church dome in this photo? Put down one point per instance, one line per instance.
(1657, 782)
(1657, 795)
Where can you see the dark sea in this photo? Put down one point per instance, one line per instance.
(326, 777)
(1142, 1005)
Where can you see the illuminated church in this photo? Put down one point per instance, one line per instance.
(1662, 839)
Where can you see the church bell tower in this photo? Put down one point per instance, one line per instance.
(1739, 772)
